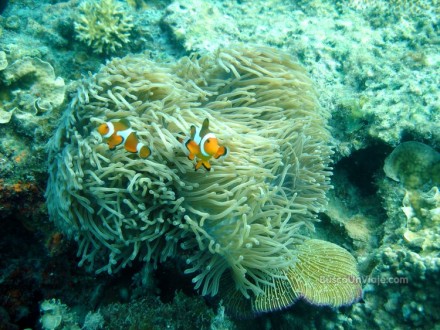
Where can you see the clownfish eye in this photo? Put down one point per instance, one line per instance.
(207, 141)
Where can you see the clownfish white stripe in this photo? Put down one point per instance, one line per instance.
(111, 130)
(184, 143)
(202, 143)
(139, 146)
(197, 138)
(124, 134)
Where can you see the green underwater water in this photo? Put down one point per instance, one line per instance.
(375, 67)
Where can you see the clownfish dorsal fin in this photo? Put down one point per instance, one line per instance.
(192, 132)
(205, 128)
(125, 122)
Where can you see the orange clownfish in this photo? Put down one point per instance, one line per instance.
(118, 132)
(203, 145)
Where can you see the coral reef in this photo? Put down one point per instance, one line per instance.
(53, 313)
(37, 90)
(402, 274)
(5, 116)
(404, 271)
(146, 313)
(151, 313)
(103, 25)
(414, 164)
(383, 67)
(3, 60)
(200, 25)
(394, 7)
(375, 67)
(56, 315)
(29, 109)
(241, 227)
(27, 194)
(422, 211)
(46, 30)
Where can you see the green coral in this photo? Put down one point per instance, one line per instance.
(103, 25)
(241, 227)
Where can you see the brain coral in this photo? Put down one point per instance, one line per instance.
(241, 227)
(103, 25)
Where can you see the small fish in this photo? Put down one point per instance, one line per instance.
(117, 132)
(203, 145)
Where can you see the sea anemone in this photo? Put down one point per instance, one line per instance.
(242, 228)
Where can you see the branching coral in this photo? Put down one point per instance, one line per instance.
(241, 226)
(103, 25)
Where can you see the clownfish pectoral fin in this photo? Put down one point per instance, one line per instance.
(114, 141)
(200, 163)
(221, 152)
(205, 128)
(206, 165)
(192, 147)
(191, 156)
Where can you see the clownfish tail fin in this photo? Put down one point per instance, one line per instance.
(143, 151)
